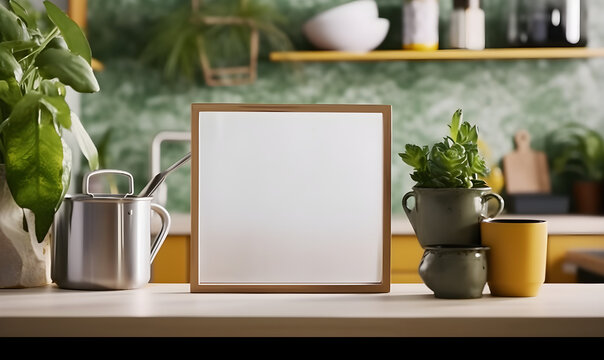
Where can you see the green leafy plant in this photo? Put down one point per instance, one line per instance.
(453, 163)
(576, 150)
(35, 68)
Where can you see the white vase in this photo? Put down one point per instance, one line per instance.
(23, 261)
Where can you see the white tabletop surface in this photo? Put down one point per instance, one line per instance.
(408, 310)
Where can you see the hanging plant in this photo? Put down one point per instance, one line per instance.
(221, 38)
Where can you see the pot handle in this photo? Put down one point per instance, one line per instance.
(86, 181)
(163, 232)
(410, 212)
(500, 204)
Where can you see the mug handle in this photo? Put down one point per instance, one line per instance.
(163, 232)
(410, 212)
(500, 204)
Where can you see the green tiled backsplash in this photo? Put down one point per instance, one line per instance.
(136, 102)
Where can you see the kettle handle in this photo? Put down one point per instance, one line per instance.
(163, 232)
(86, 181)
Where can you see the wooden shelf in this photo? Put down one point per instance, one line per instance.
(436, 55)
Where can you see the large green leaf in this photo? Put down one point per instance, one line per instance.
(9, 67)
(10, 92)
(69, 68)
(72, 33)
(58, 108)
(58, 43)
(34, 161)
(66, 178)
(11, 27)
(84, 142)
(21, 10)
(52, 88)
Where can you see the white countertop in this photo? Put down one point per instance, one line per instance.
(567, 224)
(408, 310)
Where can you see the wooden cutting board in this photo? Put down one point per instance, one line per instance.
(526, 171)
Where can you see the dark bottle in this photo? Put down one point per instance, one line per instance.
(551, 23)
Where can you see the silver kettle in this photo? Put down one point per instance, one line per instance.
(103, 241)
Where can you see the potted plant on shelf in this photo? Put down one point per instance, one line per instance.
(35, 161)
(450, 196)
(222, 37)
(576, 156)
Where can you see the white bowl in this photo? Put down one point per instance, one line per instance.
(360, 9)
(350, 36)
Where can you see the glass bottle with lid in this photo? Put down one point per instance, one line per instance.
(467, 25)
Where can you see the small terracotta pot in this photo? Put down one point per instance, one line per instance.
(588, 197)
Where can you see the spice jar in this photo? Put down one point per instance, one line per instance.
(420, 24)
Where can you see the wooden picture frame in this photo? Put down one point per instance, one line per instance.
(290, 198)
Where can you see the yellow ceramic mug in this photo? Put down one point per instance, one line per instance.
(516, 261)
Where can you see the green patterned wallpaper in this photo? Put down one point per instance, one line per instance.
(136, 102)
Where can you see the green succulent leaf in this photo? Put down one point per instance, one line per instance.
(455, 122)
(71, 32)
(451, 159)
(467, 134)
(476, 163)
(415, 156)
(69, 68)
(34, 161)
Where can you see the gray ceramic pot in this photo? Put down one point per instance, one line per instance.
(450, 216)
(454, 272)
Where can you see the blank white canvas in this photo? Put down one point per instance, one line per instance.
(290, 197)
